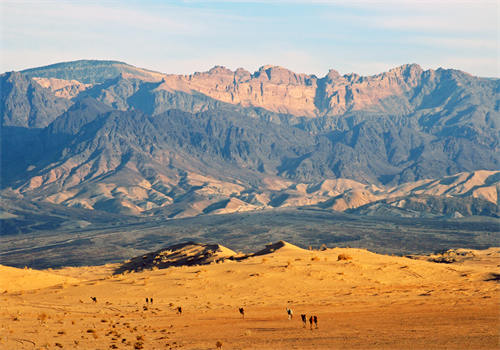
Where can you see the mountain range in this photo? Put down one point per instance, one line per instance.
(108, 136)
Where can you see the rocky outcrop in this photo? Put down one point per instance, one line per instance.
(400, 91)
(279, 90)
(434, 97)
(274, 88)
(63, 88)
(24, 103)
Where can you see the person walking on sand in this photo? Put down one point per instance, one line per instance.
(304, 320)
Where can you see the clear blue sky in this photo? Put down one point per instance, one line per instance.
(366, 37)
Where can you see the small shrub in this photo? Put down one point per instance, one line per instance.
(443, 259)
(344, 257)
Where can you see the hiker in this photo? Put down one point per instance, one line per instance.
(304, 320)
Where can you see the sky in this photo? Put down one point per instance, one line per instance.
(364, 37)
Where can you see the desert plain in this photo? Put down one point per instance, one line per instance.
(362, 300)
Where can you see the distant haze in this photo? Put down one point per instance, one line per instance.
(365, 37)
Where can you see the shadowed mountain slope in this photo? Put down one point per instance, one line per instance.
(24, 103)
(215, 161)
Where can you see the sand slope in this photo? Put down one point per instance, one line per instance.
(363, 301)
(14, 280)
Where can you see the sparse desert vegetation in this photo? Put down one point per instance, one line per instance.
(344, 257)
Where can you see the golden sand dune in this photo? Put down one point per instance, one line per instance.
(14, 280)
(362, 300)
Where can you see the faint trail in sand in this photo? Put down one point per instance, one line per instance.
(24, 340)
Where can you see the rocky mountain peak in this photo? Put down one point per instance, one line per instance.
(332, 75)
(280, 75)
(217, 70)
(242, 74)
(407, 71)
